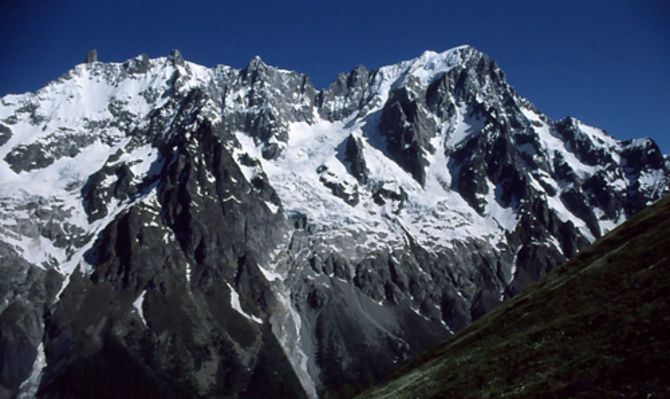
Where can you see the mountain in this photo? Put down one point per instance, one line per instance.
(172, 230)
(597, 327)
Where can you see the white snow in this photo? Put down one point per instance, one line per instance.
(137, 304)
(652, 180)
(551, 144)
(435, 215)
(272, 207)
(507, 217)
(598, 136)
(431, 64)
(564, 215)
(188, 272)
(67, 106)
(168, 237)
(465, 128)
(235, 303)
(426, 68)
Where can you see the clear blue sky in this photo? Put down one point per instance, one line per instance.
(604, 62)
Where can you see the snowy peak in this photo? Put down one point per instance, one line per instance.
(443, 62)
(448, 117)
(448, 120)
(395, 207)
(427, 67)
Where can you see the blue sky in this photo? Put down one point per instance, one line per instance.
(605, 62)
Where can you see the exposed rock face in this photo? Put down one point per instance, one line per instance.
(5, 134)
(222, 232)
(353, 155)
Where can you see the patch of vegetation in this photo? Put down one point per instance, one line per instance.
(597, 327)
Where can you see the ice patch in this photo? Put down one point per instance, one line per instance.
(235, 303)
(463, 129)
(188, 272)
(507, 218)
(168, 237)
(137, 304)
(272, 207)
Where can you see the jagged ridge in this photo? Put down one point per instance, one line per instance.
(316, 229)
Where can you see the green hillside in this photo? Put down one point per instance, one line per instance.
(597, 327)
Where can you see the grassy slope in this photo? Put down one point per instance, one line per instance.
(598, 326)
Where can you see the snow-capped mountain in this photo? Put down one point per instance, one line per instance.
(180, 231)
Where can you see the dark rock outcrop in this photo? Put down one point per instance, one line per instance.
(91, 56)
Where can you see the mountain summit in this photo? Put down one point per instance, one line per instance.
(173, 230)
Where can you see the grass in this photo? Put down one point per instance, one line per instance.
(598, 326)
